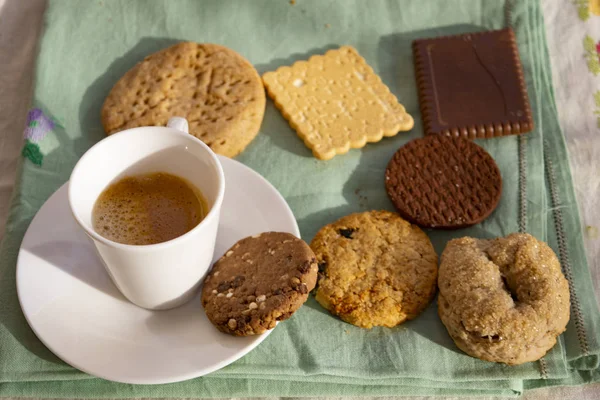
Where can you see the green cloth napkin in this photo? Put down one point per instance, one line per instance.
(88, 45)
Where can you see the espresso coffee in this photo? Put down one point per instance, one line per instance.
(148, 209)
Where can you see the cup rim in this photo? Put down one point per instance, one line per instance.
(212, 213)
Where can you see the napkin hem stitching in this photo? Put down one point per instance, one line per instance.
(563, 250)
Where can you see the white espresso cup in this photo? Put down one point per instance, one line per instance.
(163, 275)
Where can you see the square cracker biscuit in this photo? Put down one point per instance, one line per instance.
(336, 102)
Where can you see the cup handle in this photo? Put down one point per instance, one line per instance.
(178, 123)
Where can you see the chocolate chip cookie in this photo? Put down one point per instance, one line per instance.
(504, 300)
(261, 280)
(375, 269)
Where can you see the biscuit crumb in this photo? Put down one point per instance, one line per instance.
(293, 2)
(327, 26)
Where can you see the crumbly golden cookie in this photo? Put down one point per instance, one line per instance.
(375, 269)
(336, 102)
(259, 281)
(504, 300)
(217, 90)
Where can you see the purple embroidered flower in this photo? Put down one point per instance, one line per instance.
(38, 125)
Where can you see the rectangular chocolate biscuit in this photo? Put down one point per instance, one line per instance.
(472, 85)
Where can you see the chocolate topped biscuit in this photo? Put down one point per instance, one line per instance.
(472, 85)
(443, 182)
(259, 281)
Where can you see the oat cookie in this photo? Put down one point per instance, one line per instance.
(214, 88)
(375, 269)
(443, 182)
(259, 281)
(504, 300)
(336, 102)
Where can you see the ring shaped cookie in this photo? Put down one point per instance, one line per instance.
(504, 300)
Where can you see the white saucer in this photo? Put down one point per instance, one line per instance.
(75, 310)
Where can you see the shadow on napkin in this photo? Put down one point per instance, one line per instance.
(288, 61)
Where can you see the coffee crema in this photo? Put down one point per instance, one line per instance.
(148, 209)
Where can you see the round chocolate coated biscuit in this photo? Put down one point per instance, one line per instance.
(443, 182)
(259, 281)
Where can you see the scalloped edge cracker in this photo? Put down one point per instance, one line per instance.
(336, 102)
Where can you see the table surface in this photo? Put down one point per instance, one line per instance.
(21, 24)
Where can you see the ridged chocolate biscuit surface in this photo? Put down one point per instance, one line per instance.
(443, 182)
(259, 281)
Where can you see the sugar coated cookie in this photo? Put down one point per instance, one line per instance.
(504, 300)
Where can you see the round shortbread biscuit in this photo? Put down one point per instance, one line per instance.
(259, 281)
(375, 269)
(504, 300)
(217, 90)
